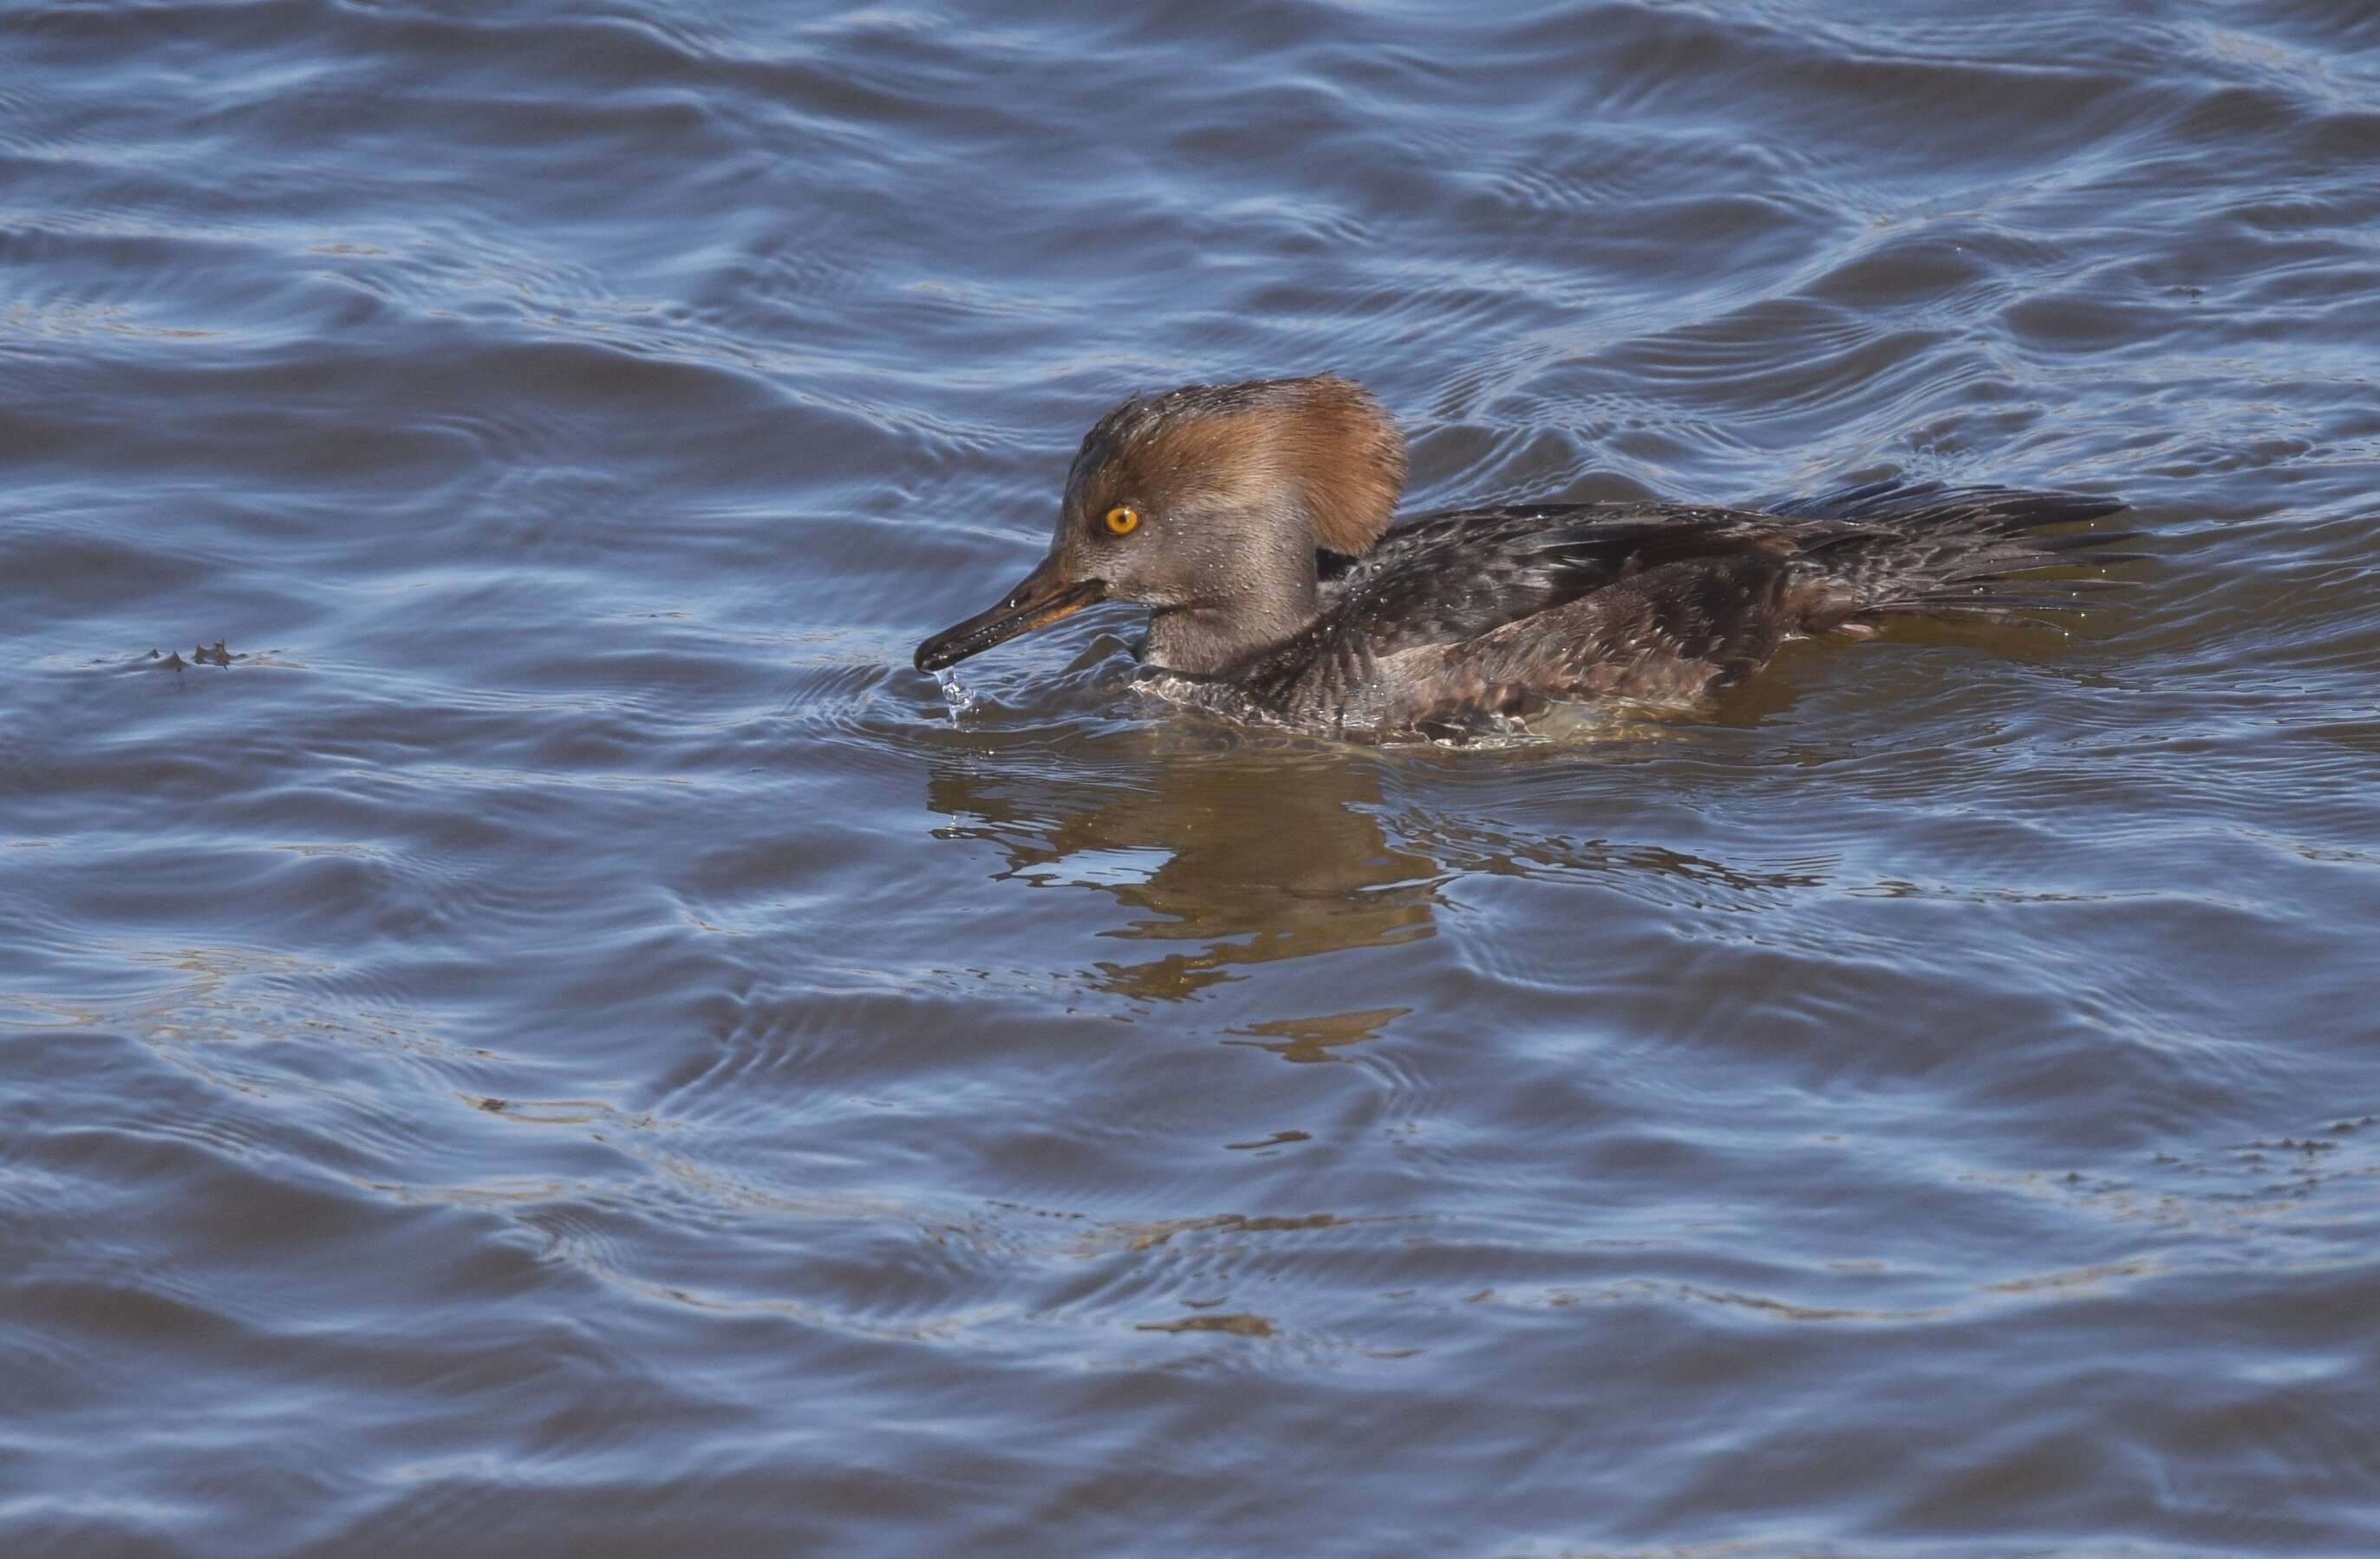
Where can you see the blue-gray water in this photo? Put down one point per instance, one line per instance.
(564, 1044)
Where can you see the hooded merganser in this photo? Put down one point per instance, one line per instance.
(1253, 521)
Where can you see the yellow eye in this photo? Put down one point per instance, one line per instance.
(1122, 519)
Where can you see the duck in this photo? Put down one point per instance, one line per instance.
(1256, 524)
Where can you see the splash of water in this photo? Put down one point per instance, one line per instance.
(956, 695)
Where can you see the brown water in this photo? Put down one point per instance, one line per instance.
(558, 1041)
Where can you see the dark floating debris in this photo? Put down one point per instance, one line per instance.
(200, 655)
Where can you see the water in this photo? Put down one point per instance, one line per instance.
(560, 1041)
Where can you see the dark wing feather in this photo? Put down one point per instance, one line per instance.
(1889, 550)
(1449, 577)
(1709, 592)
(1444, 578)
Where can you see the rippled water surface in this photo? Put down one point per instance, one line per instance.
(558, 1041)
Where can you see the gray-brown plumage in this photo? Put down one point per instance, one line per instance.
(1253, 521)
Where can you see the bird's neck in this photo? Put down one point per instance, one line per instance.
(1261, 608)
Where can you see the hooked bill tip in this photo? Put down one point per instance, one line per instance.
(1036, 604)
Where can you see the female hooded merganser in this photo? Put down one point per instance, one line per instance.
(1253, 521)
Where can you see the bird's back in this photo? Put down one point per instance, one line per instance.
(1469, 617)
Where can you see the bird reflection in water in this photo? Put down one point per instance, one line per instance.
(1247, 857)
(1254, 852)
(1317, 1039)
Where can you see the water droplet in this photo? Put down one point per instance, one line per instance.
(955, 694)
